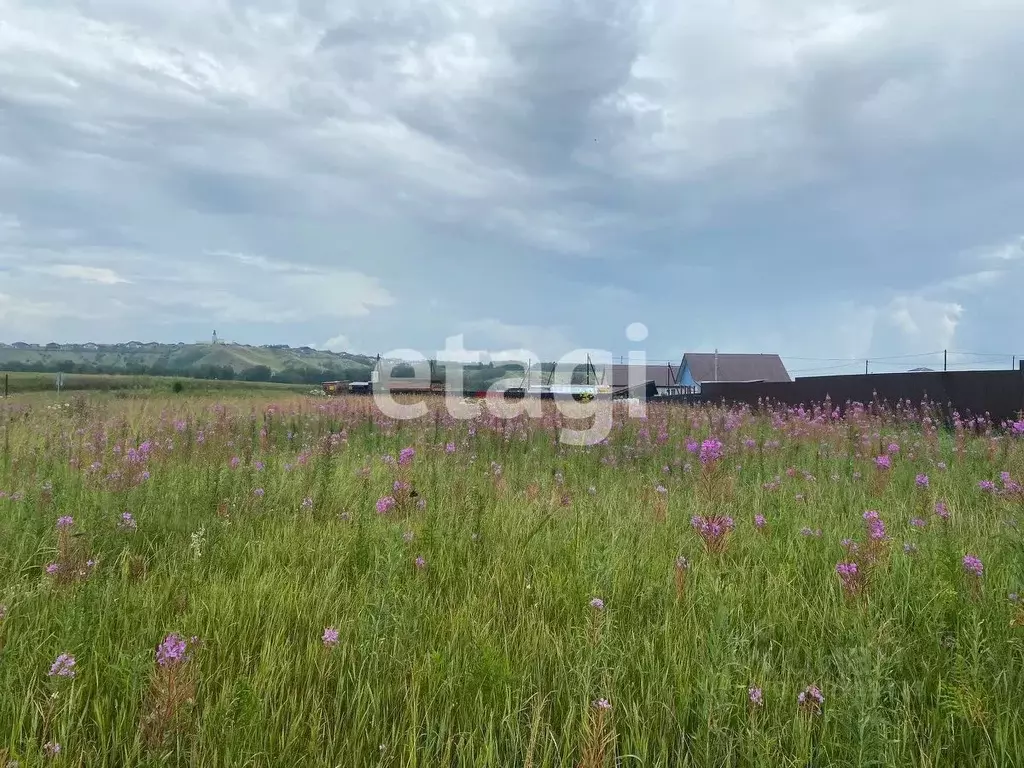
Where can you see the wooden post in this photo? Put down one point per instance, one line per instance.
(7, 377)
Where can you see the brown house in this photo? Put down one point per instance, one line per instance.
(699, 368)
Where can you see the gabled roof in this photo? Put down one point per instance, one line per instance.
(735, 367)
(618, 375)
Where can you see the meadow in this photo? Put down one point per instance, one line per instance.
(19, 383)
(240, 581)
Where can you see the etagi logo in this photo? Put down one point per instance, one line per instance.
(597, 410)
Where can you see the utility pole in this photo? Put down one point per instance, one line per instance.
(716, 365)
(944, 360)
(865, 367)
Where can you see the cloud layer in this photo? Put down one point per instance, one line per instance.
(825, 180)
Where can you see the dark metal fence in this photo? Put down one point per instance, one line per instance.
(997, 394)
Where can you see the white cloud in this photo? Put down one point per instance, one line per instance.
(923, 325)
(1012, 250)
(100, 275)
(339, 343)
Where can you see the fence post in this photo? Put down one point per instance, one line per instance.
(7, 377)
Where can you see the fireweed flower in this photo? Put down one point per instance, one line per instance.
(941, 510)
(921, 481)
(876, 527)
(811, 699)
(172, 650)
(849, 576)
(710, 451)
(759, 521)
(973, 565)
(65, 522)
(713, 530)
(405, 456)
(756, 696)
(63, 666)
(330, 637)
(883, 462)
(385, 504)
(597, 604)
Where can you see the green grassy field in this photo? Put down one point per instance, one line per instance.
(21, 383)
(350, 590)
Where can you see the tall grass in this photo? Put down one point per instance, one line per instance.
(467, 631)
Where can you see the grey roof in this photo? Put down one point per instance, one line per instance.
(735, 367)
(663, 375)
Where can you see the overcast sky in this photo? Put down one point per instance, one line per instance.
(823, 180)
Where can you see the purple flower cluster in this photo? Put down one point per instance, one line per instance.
(941, 510)
(710, 451)
(65, 522)
(713, 530)
(883, 462)
(756, 696)
(330, 637)
(405, 456)
(811, 699)
(385, 504)
(922, 481)
(173, 650)
(973, 565)
(849, 576)
(597, 604)
(876, 527)
(63, 666)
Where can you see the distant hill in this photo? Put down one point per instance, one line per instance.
(223, 360)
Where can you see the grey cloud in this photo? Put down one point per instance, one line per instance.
(753, 160)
